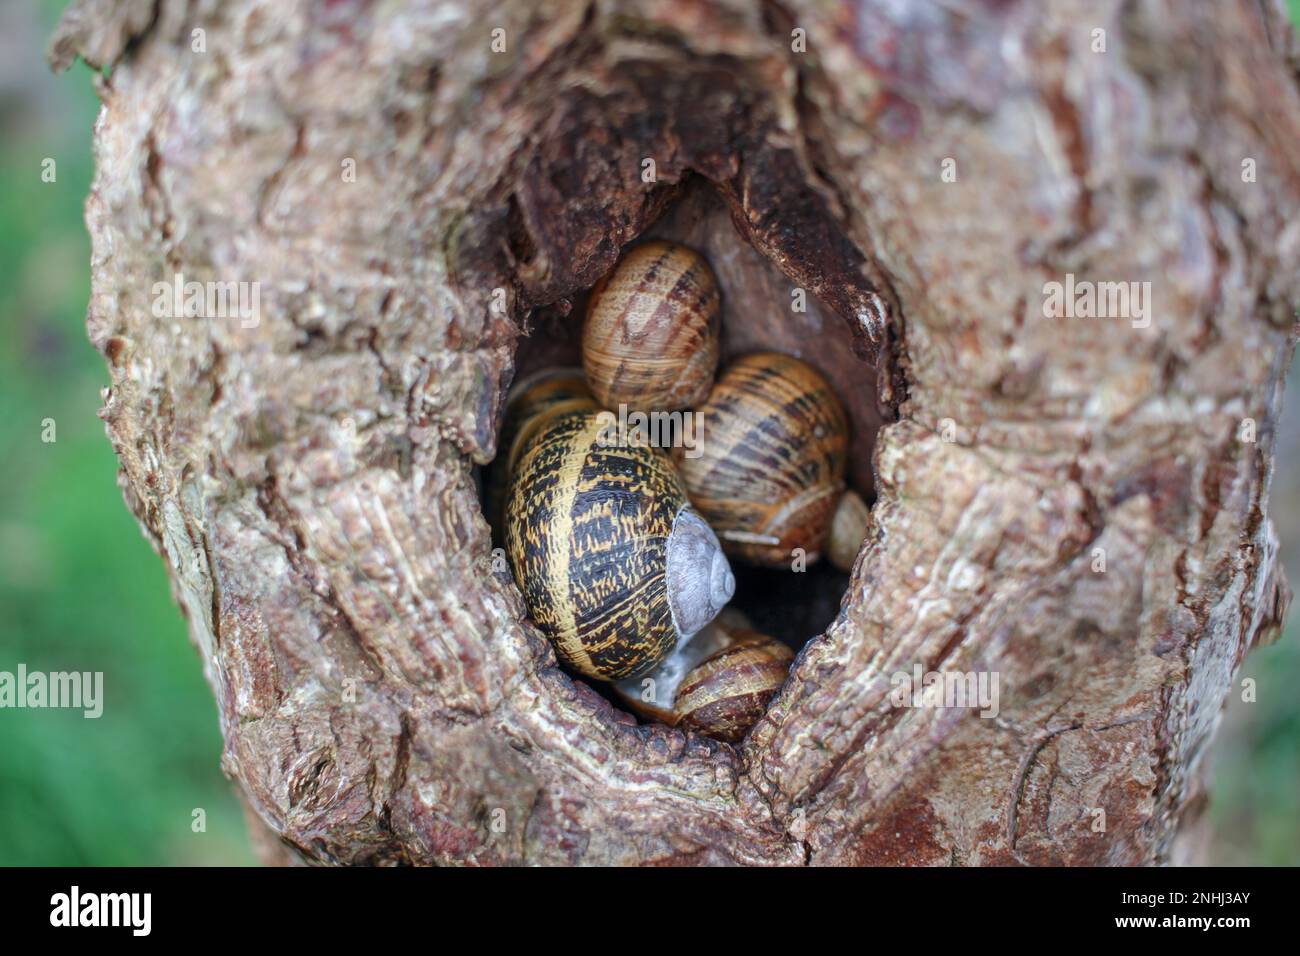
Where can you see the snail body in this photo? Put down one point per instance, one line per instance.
(615, 566)
(651, 337)
(770, 473)
(725, 694)
(848, 528)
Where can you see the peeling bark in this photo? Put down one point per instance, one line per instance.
(309, 481)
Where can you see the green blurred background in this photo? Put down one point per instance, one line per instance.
(80, 589)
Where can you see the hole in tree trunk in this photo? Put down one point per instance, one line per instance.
(760, 311)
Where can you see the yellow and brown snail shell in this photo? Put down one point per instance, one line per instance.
(615, 566)
(651, 338)
(534, 398)
(725, 694)
(531, 400)
(769, 470)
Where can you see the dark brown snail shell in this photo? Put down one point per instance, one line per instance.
(727, 692)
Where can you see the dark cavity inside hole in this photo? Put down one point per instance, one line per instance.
(757, 314)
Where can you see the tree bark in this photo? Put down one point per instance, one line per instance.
(310, 481)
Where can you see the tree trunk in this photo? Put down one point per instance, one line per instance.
(1077, 504)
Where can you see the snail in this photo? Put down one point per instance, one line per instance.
(769, 473)
(719, 684)
(533, 396)
(848, 528)
(615, 566)
(530, 401)
(726, 694)
(651, 338)
(651, 694)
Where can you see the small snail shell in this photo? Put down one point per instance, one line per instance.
(726, 694)
(651, 337)
(615, 566)
(651, 694)
(848, 528)
(770, 465)
(531, 399)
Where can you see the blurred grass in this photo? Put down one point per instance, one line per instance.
(80, 589)
(1255, 762)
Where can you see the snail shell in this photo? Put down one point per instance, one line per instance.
(848, 528)
(615, 566)
(530, 401)
(770, 466)
(726, 694)
(651, 339)
(535, 397)
(651, 694)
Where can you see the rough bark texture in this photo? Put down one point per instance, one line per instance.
(310, 481)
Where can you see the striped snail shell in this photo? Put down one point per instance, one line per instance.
(530, 401)
(535, 397)
(615, 566)
(769, 470)
(727, 692)
(651, 339)
(651, 694)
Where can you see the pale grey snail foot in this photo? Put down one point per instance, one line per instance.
(699, 579)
